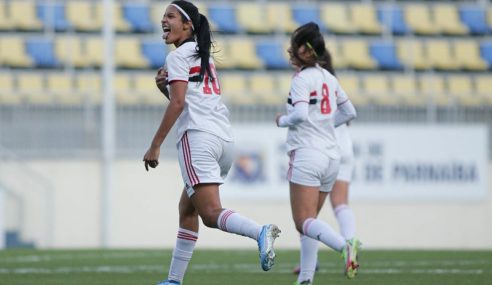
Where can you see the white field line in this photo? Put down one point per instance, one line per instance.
(79, 256)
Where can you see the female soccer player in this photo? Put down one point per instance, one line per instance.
(204, 139)
(315, 106)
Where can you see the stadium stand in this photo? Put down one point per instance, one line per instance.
(13, 52)
(80, 15)
(94, 51)
(128, 53)
(138, 15)
(119, 22)
(467, 55)
(405, 89)
(61, 86)
(272, 54)
(89, 87)
(42, 52)
(460, 87)
(356, 54)
(224, 17)
(279, 16)
(434, 89)
(482, 88)
(474, 17)
(68, 51)
(8, 94)
(440, 55)
(262, 87)
(447, 19)
(31, 86)
(53, 16)
(155, 52)
(24, 16)
(336, 18)
(5, 21)
(392, 18)
(385, 54)
(486, 52)
(365, 19)
(418, 17)
(242, 52)
(304, 13)
(251, 17)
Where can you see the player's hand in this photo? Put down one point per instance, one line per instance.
(151, 158)
(277, 118)
(161, 81)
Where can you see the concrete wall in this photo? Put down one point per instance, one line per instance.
(144, 213)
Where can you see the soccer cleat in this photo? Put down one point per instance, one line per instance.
(297, 269)
(305, 282)
(169, 282)
(266, 239)
(350, 255)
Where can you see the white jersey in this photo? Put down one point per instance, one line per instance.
(204, 109)
(321, 90)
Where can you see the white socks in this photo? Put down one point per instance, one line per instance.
(309, 258)
(346, 221)
(319, 230)
(185, 243)
(231, 222)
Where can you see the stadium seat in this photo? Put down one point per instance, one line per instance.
(6, 22)
(279, 16)
(337, 58)
(304, 13)
(128, 53)
(482, 87)
(391, 16)
(336, 18)
(385, 54)
(350, 83)
(486, 52)
(262, 87)
(155, 51)
(377, 89)
(80, 15)
(68, 50)
(52, 14)
(42, 51)
(234, 90)
(460, 87)
(489, 18)
(251, 17)
(120, 24)
(221, 54)
(467, 54)
(89, 87)
(147, 90)
(30, 85)
(365, 19)
(440, 55)
(138, 15)
(419, 20)
(8, 94)
(61, 86)
(356, 54)
(405, 88)
(243, 53)
(24, 17)
(412, 54)
(224, 16)
(447, 19)
(474, 17)
(123, 89)
(284, 81)
(13, 52)
(433, 88)
(94, 51)
(273, 55)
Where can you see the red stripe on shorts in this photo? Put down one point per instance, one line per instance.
(189, 167)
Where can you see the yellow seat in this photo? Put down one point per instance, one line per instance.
(119, 22)
(433, 88)
(68, 49)
(336, 18)
(251, 16)
(482, 87)
(24, 17)
(234, 90)
(5, 21)
(262, 87)
(412, 54)
(146, 88)
(440, 55)
(405, 88)
(8, 94)
(284, 80)
(31, 86)
(80, 15)
(356, 54)
(279, 16)
(124, 90)
(489, 17)
(221, 54)
(94, 51)
(467, 55)
(419, 20)
(365, 19)
(61, 86)
(377, 89)
(337, 58)
(350, 83)
(447, 19)
(243, 53)
(13, 52)
(461, 88)
(203, 9)
(89, 87)
(128, 53)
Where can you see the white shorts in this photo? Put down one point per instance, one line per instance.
(346, 170)
(204, 158)
(312, 168)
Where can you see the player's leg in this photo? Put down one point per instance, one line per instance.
(343, 213)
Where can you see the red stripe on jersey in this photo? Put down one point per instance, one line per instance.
(176, 80)
(313, 93)
(195, 69)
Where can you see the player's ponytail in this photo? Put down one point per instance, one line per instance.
(204, 42)
(326, 61)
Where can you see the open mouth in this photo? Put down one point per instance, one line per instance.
(165, 31)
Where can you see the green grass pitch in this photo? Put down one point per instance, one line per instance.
(232, 267)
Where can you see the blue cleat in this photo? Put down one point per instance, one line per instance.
(266, 239)
(168, 282)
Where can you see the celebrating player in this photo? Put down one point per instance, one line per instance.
(204, 139)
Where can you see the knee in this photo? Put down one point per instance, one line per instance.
(210, 216)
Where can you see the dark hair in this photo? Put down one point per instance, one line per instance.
(202, 32)
(310, 36)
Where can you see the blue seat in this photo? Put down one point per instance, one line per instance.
(392, 17)
(155, 51)
(224, 16)
(475, 19)
(41, 51)
(271, 53)
(303, 14)
(138, 15)
(486, 52)
(385, 54)
(53, 15)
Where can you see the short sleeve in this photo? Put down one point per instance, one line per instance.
(177, 68)
(299, 89)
